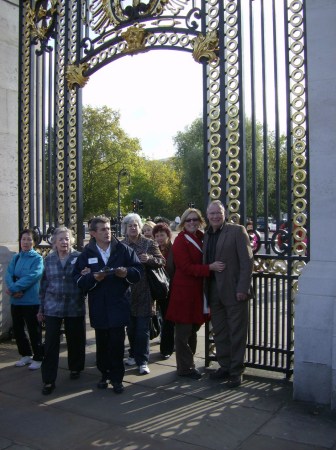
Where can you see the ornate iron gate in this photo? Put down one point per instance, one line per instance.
(255, 130)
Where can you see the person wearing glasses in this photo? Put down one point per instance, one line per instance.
(228, 292)
(186, 306)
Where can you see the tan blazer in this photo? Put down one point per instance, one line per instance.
(234, 249)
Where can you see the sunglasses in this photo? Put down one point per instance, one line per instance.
(192, 220)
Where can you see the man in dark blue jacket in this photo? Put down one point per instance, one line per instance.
(105, 270)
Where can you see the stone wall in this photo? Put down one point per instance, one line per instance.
(9, 25)
(315, 308)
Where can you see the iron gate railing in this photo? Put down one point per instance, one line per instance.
(255, 125)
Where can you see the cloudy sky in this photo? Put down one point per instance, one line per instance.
(157, 93)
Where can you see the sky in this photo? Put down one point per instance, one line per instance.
(157, 93)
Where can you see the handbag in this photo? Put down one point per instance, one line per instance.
(154, 327)
(158, 281)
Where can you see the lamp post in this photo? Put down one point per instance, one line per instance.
(122, 173)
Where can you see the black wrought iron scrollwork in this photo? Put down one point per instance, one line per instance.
(86, 44)
(41, 21)
(193, 19)
(46, 237)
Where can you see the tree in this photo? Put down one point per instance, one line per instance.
(157, 184)
(106, 150)
(190, 163)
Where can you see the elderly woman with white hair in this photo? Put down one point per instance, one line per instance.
(61, 301)
(142, 303)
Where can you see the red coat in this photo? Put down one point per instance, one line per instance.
(186, 295)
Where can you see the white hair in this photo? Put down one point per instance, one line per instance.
(131, 217)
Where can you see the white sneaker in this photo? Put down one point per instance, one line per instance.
(130, 361)
(144, 369)
(35, 365)
(23, 361)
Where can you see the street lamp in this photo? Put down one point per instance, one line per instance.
(122, 173)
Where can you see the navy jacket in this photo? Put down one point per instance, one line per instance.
(109, 299)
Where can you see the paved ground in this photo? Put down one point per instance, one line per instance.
(156, 411)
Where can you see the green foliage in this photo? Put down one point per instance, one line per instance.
(166, 187)
(157, 184)
(265, 171)
(190, 162)
(106, 150)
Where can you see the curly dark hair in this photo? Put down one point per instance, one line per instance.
(162, 226)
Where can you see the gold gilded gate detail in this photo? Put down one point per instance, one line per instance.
(81, 37)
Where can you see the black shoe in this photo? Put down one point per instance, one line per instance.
(220, 374)
(193, 374)
(234, 381)
(102, 384)
(48, 388)
(74, 375)
(118, 388)
(165, 356)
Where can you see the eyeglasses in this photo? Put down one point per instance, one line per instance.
(196, 219)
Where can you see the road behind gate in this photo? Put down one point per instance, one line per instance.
(156, 411)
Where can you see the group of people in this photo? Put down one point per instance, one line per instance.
(210, 276)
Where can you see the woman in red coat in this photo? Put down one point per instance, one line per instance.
(186, 306)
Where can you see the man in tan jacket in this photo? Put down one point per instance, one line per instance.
(228, 291)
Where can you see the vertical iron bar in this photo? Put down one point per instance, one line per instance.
(277, 117)
(79, 149)
(307, 134)
(43, 143)
(38, 140)
(66, 110)
(242, 114)
(32, 107)
(51, 139)
(265, 125)
(253, 121)
(20, 121)
(54, 146)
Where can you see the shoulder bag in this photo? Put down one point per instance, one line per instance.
(158, 281)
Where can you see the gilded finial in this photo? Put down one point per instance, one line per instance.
(206, 47)
(75, 77)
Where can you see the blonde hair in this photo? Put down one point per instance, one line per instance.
(185, 215)
(149, 224)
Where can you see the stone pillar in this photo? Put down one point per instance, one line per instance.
(9, 38)
(315, 306)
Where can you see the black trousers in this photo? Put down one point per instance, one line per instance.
(74, 328)
(110, 348)
(167, 341)
(26, 316)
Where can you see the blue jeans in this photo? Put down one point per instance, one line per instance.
(138, 336)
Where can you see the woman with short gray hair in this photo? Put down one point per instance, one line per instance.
(61, 300)
(130, 218)
(142, 303)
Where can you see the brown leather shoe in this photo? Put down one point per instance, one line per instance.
(220, 374)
